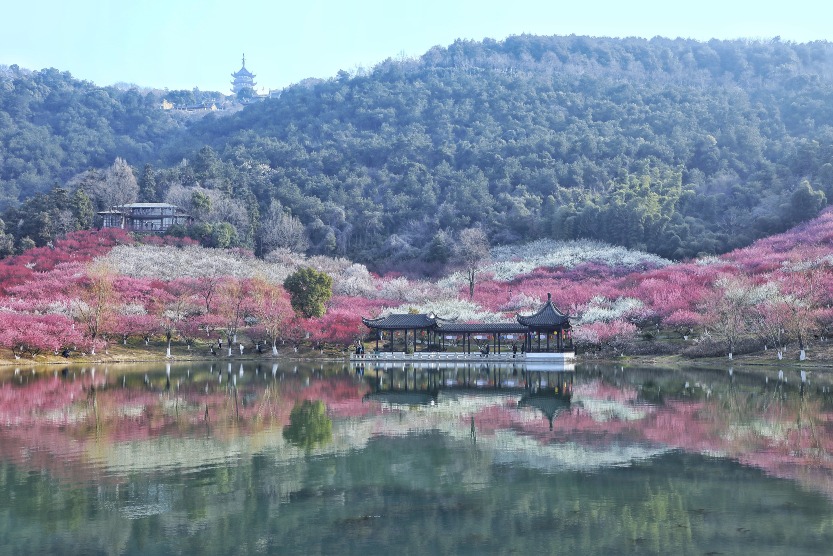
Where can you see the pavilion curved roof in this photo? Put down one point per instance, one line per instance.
(547, 316)
(403, 321)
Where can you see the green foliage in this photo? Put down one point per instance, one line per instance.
(244, 94)
(309, 290)
(223, 236)
(309, 426)
(674, 146)
(82, 210)
(200, 202)
(54, 127)
(805, 202)
(147, 185)
(677, 147)
(25, 244)
(6, 241)
(44, 217)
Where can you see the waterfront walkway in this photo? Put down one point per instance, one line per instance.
(459, 357)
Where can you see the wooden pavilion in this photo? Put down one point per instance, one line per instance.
(546, 331)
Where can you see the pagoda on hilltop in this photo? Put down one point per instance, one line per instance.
(243, 79)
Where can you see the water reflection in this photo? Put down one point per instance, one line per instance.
(470, 458)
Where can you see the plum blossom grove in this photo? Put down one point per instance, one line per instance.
(90, 290)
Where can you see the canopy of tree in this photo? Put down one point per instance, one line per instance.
(677, 147)
(309, 290)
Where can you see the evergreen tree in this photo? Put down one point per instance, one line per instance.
(148, 192)
(308, 291)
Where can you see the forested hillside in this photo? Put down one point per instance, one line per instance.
(53, 126)
(676, 147)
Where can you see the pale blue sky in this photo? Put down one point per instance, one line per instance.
(181, 44)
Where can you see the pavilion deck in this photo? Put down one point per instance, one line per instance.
(474, 357)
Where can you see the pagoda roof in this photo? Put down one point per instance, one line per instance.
(403, 321)
(243, 72)
(547, 316)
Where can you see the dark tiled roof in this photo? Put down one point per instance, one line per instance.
(547, 316)
(401, 322)
(243, 72)
(485, 327)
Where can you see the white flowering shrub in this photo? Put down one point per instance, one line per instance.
(521, 303)
(129, 309)
(514, 260)
(394, 288)
(452, 283)
(58, 308)
(601, 309)
(709, 260)
(169, 262)
(354, 281)
(412, 291)
(285, 257)
(463, 310)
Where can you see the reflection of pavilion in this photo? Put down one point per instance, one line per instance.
(543, 336)
(550, 405)
(547, 389)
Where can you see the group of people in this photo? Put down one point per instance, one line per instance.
(220, 347)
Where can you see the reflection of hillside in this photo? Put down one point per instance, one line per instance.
(141, 429)
(612, 472)
(421, 490)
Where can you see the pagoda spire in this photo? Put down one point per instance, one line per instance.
(243, 78)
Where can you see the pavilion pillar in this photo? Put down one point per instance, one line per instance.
(548, 341)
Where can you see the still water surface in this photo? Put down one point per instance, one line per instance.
(300, 459)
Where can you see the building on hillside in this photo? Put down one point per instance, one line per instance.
(243, 79)
(144, 217)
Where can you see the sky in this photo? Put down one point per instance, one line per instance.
(182, 44)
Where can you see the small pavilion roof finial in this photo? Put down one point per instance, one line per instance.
(244, 59)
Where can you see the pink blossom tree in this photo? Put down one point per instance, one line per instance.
(272, 309)
(235, 302)
(94, 306)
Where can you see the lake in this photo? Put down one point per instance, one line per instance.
(302, 458)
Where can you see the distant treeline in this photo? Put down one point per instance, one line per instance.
(677, 147)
